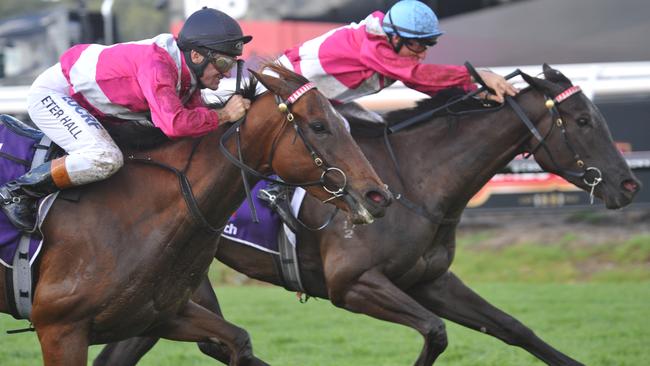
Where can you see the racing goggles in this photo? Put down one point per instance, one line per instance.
(222, 63)
(420, 45)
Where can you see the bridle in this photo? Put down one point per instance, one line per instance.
(284, 107)
(551, 104)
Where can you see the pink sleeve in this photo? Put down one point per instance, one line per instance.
(195, 101)
(158, 82)
(378, 55)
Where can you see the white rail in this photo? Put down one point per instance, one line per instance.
(596, 80)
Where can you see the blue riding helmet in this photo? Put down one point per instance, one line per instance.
(411, 19)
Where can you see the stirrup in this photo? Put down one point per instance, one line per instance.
(16, 208)
(277, 200)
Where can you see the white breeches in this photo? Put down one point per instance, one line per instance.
(92, 153)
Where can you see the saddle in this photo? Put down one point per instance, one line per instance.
(22, 148)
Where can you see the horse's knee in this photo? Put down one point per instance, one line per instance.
(241, 347)
(437, 336)
(216, 350)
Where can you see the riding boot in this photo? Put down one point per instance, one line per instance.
(19, 196)
(277, 197)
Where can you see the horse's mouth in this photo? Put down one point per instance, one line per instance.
(625, 193)
(366, 210)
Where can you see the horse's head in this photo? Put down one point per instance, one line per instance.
(577, 143)
(310, 143)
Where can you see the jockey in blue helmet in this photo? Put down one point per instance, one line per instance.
(414, 24)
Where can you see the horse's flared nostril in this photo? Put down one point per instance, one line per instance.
(378, 198)
(630, 185)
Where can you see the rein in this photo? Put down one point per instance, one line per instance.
(186, 187)
(551, 104)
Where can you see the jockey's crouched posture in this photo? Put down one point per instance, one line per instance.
(157, 80)
(363, 58)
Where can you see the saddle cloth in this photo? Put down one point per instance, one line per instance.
(269, 235)
(17, 150)
(262, 235)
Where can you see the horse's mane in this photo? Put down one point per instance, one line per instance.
(284, 73)
(360, 128)
(440, 99)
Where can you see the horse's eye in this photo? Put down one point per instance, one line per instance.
(582, 121)
(318, 127)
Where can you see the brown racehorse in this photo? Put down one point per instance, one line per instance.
(124, 260)
(397, 270)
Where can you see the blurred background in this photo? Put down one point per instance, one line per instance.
(529, 241)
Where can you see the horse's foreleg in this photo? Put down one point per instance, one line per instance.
(375, 295)
(125, 353)
(197, 324)
(64, 344)
(130, 351)
(451, 299)
(205, 296)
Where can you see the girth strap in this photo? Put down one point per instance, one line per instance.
(22, 281)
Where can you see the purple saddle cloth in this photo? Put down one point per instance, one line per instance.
(16, 153)
(262, 235)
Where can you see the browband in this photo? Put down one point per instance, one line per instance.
(567, 93)
(299, 92)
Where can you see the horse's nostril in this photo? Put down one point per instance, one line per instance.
(630, 185)
(376, 197)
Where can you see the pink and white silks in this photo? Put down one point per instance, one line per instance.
(133, 82)
(356, 60)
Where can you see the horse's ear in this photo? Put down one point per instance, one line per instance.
(532, 81)
(275, 85)
(542, 85)
(555, 76)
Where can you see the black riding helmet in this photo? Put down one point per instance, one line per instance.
(210, 31)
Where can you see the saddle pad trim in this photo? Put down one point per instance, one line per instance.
(245, 242)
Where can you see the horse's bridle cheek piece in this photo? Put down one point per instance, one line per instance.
(551, 104)
(284, 107)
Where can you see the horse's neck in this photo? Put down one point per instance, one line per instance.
(453, 163)
(218, 183)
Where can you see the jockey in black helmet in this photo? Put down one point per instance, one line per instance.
(211, 33)
(155, 82)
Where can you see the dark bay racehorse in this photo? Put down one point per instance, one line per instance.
(397, 269)
(124, 260)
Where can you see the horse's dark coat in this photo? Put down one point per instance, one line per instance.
(397, 269)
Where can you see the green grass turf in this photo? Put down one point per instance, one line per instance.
(600, 324)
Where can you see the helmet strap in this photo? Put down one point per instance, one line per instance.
(196, 69)
(396, 47)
